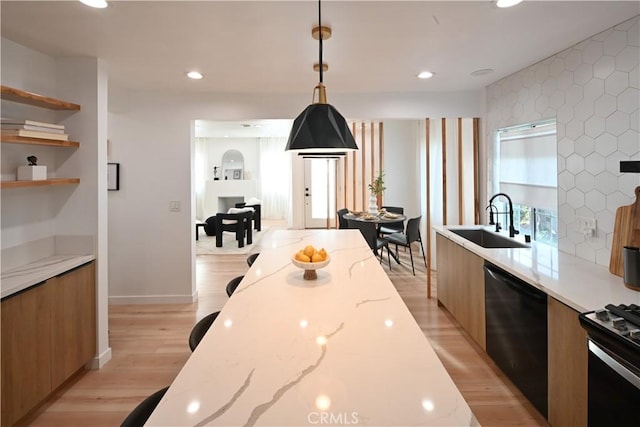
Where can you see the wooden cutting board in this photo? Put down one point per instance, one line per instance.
(626, 232)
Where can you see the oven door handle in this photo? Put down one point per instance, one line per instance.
(614, 364)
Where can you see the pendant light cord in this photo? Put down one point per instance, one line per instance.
(320, 36)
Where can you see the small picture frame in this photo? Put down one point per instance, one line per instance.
(113, 176)
(237, 173)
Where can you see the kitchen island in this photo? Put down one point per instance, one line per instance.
(341, 349)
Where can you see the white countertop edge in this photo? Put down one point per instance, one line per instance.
(25, 276)
(580, 284)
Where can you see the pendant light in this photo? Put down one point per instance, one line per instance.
(320, 127)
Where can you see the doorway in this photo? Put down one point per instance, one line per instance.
(319, 192)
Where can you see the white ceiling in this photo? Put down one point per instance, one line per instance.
(266, 46)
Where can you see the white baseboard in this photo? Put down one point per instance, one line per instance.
(154, 299)
(99, 361)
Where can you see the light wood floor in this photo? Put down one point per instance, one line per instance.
(149, 344)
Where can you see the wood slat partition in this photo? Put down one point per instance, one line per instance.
(428, 207)
(363, 151)
(353, 174)
(373, 163)
(381, 144)
(360, 167)
(476, 157)
(444, 171)
(467, 133)
(460, 175)
(335, 185)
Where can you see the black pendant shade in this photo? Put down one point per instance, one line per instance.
(320, 127)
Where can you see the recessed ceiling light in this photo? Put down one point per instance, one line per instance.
(98, 4)
(507, 3)
(194, 75)
(425, 75)
(482, 72)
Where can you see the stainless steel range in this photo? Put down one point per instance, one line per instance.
(614, 364)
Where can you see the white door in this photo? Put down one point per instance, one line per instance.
(319, 193)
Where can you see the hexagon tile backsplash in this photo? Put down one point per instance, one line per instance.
(593, 90)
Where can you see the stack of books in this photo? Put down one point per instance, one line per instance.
(32, 129)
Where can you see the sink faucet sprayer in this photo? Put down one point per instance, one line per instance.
(491, 208)
(512, 230)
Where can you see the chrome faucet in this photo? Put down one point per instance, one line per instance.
(512, 230)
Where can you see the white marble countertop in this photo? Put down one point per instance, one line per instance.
(24, 276)
(580, 284)
(340, 350)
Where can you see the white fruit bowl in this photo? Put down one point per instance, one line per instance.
(310, 267)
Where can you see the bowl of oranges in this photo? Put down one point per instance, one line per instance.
(311, 259)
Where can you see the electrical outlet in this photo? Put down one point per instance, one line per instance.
(174, 206)
(587, 226)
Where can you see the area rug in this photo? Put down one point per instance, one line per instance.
(206, 245)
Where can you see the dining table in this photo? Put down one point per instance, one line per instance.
(379, 219)
(342, 349)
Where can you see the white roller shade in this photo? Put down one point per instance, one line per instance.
(528, 170)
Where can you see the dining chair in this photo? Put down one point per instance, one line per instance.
(257, 215)
(370, 233)
(201, 328)
(141, 413)
(411, 234)
(233, 284)
(392, 227)
(239, 223)
(342, 222)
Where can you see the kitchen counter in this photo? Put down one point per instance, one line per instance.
(33, 262)
(579, 284)
(25, 276)
(339, 350)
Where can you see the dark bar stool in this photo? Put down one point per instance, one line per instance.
(139, 416)
(233, 284)
(200, 329)
(252, 258)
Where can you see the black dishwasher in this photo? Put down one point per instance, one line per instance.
(516, 316)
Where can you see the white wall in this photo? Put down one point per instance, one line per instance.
(247, 146)
(33, 207)
(151, 246)
(593, 90)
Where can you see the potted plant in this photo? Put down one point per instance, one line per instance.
(376, 188)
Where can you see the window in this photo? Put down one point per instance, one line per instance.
(526, 169)
(543, 228)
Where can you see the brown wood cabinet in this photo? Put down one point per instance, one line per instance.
(73, 332)
(461, 291)
(48, 333)
(26, 346)
(567, 366)
(461, 287)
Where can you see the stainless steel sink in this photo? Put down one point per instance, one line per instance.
(487, 239)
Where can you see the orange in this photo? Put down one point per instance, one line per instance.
(309, 250)
(323, 254)
(300, 256)
(317, 257)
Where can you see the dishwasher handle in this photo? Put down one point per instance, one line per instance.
(539, 296)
